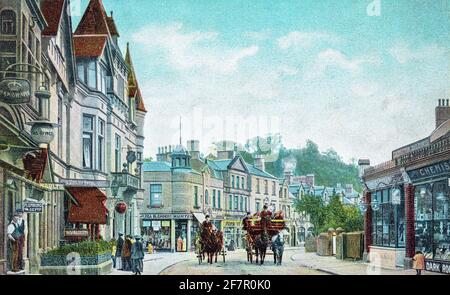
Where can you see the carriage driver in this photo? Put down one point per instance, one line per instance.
(207, 225)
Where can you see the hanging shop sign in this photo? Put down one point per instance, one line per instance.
(434, 170)
(15, 91)
(396, 197)
(121, 207)
(53, 186)
(43, 132)
(33, 207)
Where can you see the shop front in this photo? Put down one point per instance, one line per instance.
(432, 218)
(233, 233)
(169, 232)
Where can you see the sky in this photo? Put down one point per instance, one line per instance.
(360, 76)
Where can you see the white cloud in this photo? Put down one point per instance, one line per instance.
(257, 36)
(298, 39)
(403, 54)
(335, 59)
(364, 88)
(192, 50)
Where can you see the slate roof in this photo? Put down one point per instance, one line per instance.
(156, 166)
(223, 164)
(52, 11)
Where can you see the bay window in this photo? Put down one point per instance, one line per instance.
(92, 74)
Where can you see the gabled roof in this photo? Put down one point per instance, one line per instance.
(133, 86)
(223, 165)
(112, 26)
(94, 20)
(89, 46)
(52, 11)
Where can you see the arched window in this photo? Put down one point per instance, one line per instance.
(8, 22)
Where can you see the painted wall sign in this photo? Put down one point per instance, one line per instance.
(33, 207)
(437, 169)
(85, 182)
(166, 216)
(437, 266)
(15, 91)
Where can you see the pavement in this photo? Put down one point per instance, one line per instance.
(334, 266)
(295, 262)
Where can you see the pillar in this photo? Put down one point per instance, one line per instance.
(367, 225)
(409, 225)
(188, 236)
(172, 236)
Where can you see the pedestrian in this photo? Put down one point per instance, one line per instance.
(113, 255)
(126, 254)
(118, 254)
(137, 256)
(419, 262)
(14, 236)
(21, 228)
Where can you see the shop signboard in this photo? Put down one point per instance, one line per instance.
(15, 91)
(53, 186)
(437, 266)
(33, 207)
(85, 183)
(434, 170)
(161, 216)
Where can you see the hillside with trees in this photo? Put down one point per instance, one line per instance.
(328, 167)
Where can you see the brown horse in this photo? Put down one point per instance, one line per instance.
(261, 243)
(212, 244)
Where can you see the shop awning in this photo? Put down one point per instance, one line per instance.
(200, 217)
(91, 207)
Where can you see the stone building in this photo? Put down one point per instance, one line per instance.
(182, 187)
(26, 159)
(406, 201)
(108, 108)
(63, 169)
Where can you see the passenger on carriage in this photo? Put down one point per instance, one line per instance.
(246, 221)
(266, 216)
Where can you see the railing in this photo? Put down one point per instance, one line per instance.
(125, 179)
(437, 147)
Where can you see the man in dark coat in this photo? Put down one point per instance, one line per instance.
(137, 256)
(119, 248)
(246, 221)
(21, 229)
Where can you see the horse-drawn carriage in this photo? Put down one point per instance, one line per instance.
(264, 231)
(209, 242)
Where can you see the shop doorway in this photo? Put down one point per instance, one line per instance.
(181, 229)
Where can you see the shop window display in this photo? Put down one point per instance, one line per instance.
(158, 233)
(433, 220)
(388, 229)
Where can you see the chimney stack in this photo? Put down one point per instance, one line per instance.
(193, 146)
(260, 162)
(288, 176)
(226, 152)
(363, 164)
(442, 111)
